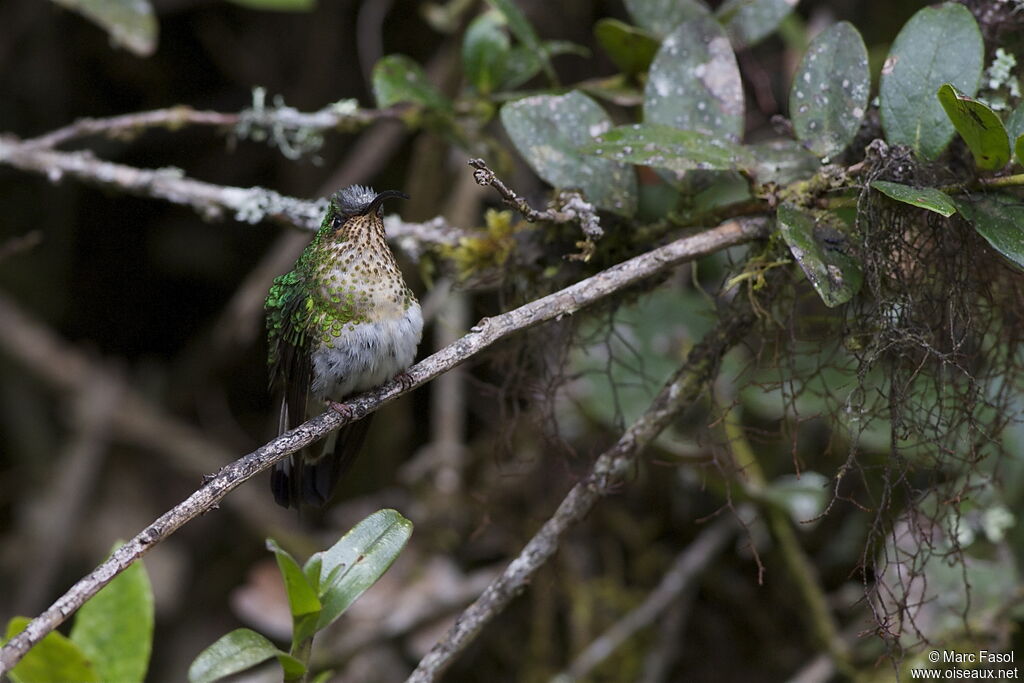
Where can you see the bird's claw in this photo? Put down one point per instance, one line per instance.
(406, 380)
(343, 409)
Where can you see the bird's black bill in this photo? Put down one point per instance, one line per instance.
(379, 199)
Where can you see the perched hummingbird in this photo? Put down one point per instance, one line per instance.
(343, 321)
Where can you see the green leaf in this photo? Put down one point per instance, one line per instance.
(631, 48)
(1015, 122)
(694, 82)
(548, 130)
(131, 24)
(355, 562)
(979, 126)
(524, 33)
(397, 78)
(302, 596)
(114, 628)
(749, 21)
(1018, 149)
(924, 197)
(660, 17)
(818, 242)
(278, 5)
(830, 90)
(938, 45)
(55, 659)
(484, 51)
(1000, 220)
(667, 147)
(782, 161)
(237, 651)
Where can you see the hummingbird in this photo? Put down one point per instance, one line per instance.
(341, 322)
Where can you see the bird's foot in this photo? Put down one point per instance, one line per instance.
(406, 380)
(343, 409)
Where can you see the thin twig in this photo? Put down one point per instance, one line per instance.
(486, 333)
(331, 117)
(686, 386)
(686, 567)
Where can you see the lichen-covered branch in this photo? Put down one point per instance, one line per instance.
(703, 360)
(211, 201)
(688, 383)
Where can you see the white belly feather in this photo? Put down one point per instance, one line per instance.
(366, 355)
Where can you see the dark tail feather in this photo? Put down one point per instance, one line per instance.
(308, 479)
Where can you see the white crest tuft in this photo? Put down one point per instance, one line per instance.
(353, 199)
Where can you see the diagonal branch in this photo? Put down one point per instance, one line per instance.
(688, 383)
(490, 330)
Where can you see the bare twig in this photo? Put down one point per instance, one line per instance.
(688, 383)
(337, 116)
(687, 565)
(486, 333)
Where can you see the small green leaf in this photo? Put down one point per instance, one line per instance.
(237, 651)
(999, 219)
(302, 597)
(55, 659)
(818, 242)
(979, 126)
(278, 5)
(923, 197)
(631, 48)
(397, 78)
(782, 161)
(524, 33)
(694, 82)
(660, 17)
(667, 147)
(130, 23)
(355, 562)
(938, 45)
(1015, 123)
(484, 51)
(749, 21)
(1018, 149)
(830, 90)
(114, 628)
(547, 130)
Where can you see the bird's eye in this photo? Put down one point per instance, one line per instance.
(336, 223)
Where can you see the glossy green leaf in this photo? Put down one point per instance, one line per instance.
(818, 242)
(694, 82)
(524, 33)
(782, 161)
(1015, 122)
(278, 5)
(1000, 220)
(979, 126)
(355, 562)
(114, 628)
(302, 597)
(750, 21)
(660, 17)
(55, 659)
(938, 45)
(667, 147)
(485, 50)
(547, 130)
(397, 78)
(1018, 149)
(237, 651)
(830, 90)
(131, 24)
(631, 48)
(923, 197)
